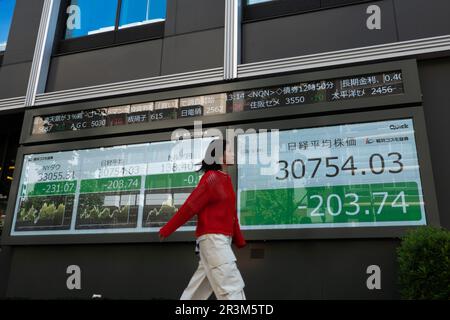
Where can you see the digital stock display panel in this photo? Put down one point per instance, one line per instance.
(303, 175)
(351, 175)
(297, 95)
(120, 189)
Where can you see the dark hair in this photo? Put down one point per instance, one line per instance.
(218, 144)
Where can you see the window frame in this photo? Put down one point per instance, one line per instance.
(280, 8)
(105, 39)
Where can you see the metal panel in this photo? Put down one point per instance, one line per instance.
(23, 32)
(318, 269)
(232, 43)
(14, 80)
(434, 76)
(192, 16)
(344, 269)
(105, 66)
(5, 262)
(43, 50)
(132, 86)
(193, 51)
(356, 55)
(316, 32)
(420, 19)
(139, 271)
(171, 15)
(12, 103)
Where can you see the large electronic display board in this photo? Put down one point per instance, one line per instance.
(368, 175)
(352, 88)
(120, 189)
(351, 175)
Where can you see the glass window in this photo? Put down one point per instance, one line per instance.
(87, 17)
(6, 14)
(138, 12)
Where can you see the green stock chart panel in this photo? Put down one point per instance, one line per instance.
(119, 189)
(353, 175)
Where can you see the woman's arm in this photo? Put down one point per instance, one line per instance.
(196, 201)
(238, 238)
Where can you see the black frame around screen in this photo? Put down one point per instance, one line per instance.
(405, 105)
(423, 155)
(416, 113)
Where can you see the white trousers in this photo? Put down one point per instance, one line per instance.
(217, 271)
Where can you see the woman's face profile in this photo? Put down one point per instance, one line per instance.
(223, 158)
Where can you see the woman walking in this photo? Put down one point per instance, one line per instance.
(214, 202)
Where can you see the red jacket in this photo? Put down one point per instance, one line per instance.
(214, 202)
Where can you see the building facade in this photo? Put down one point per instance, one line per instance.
(91, 93)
